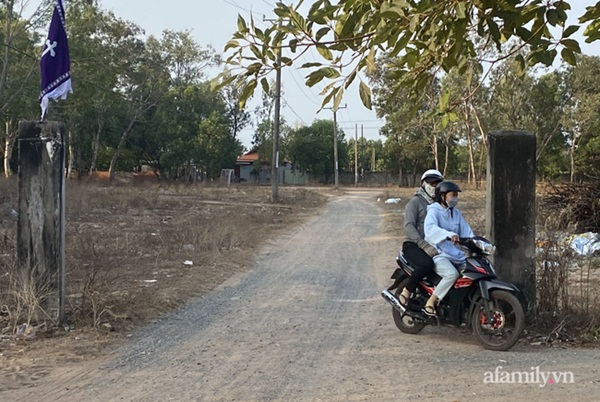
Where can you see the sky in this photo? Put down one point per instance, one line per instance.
(213, 22)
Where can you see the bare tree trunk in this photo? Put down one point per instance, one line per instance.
(115, 158)
(96, 145)
(8, 37)
(400, 176)
(71, 156)
(572, 162)
(434, 147)
(9, 141)
(471, 173)
(545, 141)
(414, 172)
(447, 153)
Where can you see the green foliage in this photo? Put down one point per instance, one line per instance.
(425, 37)
(365, 149)
(310, 148)
(441, 74)
(136, 99)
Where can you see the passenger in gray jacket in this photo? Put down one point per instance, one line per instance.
(415, 248)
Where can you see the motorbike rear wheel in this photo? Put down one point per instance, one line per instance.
(507, 324)
(405, 323)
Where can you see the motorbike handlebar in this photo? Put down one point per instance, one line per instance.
(461, 240)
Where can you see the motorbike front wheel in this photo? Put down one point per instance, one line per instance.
(405, 323)
(506, 324)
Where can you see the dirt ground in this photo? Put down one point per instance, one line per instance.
(134, 253)
(230, 327)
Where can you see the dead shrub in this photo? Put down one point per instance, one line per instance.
(92, 275)
(576, 205)
(567, 288)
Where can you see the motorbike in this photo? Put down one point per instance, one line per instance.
(491, 307)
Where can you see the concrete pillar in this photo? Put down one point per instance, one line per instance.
(40, 230)
(510, 207)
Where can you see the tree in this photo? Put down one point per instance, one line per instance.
(427, 37)
(239, 116)
(93, 107)
(18, 82)
(311, 149)
(170, 136)
(412, 132)
(509, 97)
(581, 120)
(548, 100)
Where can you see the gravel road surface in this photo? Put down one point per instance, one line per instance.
(307, 323)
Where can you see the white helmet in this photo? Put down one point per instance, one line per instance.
(432, 175)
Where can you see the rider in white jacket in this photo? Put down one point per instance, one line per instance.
(443, 222)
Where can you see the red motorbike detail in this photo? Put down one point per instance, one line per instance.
(463, 283)
(491, 307)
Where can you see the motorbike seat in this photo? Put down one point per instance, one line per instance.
(430, 280)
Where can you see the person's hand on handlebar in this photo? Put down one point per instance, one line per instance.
(455, 239)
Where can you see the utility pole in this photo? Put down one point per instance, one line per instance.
(275, 159)
(373, 160)
(335, 149)
(276, 128)
(356, 155)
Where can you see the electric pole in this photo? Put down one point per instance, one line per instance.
(275, 159)
(335, 149)
(356, 155)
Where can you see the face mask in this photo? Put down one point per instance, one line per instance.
(452, 202)
(429, 189)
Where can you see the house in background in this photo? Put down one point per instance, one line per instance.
(249, 168)
(245, 168)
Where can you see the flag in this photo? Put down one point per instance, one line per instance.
(55, 64)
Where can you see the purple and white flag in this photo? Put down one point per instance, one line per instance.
(55, 64)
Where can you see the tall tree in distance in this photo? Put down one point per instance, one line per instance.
(239, 116)
(581, 118)
(19, 69)
(311, 149)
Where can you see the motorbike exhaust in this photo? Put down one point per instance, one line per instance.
(387, 295)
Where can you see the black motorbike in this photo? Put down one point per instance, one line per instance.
(492, 308)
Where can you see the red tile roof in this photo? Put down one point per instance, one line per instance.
(248, 157)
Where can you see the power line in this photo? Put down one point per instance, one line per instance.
(293, 111)
(366, 128)
(302, 90)
(267, 3)
(234, 4)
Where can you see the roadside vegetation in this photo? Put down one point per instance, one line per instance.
(136, 252)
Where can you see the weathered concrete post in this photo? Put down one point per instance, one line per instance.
(40, 230)
(510, 207)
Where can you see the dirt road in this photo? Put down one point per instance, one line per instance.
(307, 323)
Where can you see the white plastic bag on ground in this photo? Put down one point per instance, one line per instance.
(585, 243)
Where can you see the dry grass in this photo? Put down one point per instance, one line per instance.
(135, 252)
(127, 246)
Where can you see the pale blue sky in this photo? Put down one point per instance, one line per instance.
(214, 21)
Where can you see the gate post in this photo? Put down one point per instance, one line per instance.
(510, 207)
(41, 225)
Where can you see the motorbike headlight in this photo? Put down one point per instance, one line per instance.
(486, 247)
